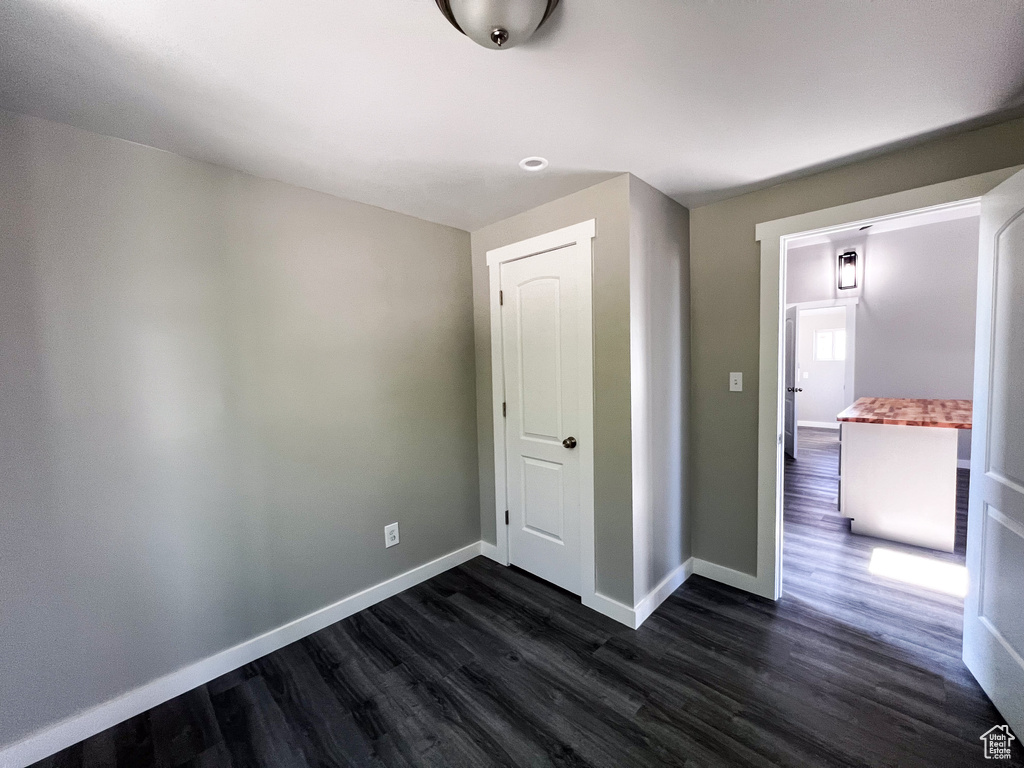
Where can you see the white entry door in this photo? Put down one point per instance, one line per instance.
(994, 608)
(789, 417)
(540, 317)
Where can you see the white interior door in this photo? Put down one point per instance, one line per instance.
(994, 608)
(540, 338)
(789, 416)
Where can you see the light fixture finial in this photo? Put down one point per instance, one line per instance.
(497, 24)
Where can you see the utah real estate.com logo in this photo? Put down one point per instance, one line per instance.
(997, 742)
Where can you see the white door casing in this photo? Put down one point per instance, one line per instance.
(574, 245)
(791, 383)
(994, 607)
(774, 236)
(540, 349)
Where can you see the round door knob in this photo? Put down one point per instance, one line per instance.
(799, 389)
(569, 442)
(790, 389)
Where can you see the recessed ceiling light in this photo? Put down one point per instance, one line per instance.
(533, 164)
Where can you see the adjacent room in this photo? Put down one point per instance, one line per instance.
(879, 379)
(511, 382)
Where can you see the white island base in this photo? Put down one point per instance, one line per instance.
(899, 483)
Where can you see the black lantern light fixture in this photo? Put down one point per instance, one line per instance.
(497, 24)
(847, 270)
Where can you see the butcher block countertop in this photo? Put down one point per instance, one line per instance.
(949, 414)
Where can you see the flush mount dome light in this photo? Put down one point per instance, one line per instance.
(497, 24)
(533, 164)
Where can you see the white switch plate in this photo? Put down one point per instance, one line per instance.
(735, 382)
(390, 535)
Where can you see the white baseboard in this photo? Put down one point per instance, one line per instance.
(727, 576)
(634, 617)
(660, 593)
(491, 551)
(54, 738)
(819, 424)
(611, 608)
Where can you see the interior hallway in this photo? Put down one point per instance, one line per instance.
(485, 665)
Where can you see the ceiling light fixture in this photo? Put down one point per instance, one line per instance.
(533, 164)
(497, 24)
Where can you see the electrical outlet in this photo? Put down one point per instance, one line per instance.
(735, 382)
(390, 535)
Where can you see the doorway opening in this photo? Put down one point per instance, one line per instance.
(987, 618)
(820, 360)
(902, 334)
(899, 340)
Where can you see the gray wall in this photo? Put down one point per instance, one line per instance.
(811, 273)
(216, 391)
(823, 395)
(916, 316)
(659, 245)
(607, 202)
(725, 311)
(916, 319)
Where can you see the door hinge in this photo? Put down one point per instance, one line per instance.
(501, 298)
(506, 517)
(504, 410)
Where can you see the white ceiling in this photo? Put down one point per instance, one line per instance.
(383, 102)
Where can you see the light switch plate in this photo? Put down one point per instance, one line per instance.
(390, 535)
(735, 382)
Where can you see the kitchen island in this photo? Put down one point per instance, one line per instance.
(897, 466)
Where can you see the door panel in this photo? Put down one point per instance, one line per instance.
(1006, 393)
(789, 415)
(1002, 603)
(541, 359)
(544, 498)
(994, 608)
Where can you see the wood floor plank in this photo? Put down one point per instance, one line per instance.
(325, 730)
(255, 730)
(183, 728)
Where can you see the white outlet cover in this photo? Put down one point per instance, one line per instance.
(735, 382)
(390, 535)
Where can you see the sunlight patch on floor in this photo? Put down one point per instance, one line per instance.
(920, 571)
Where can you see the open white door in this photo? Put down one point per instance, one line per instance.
(994, 608)
(789, 419)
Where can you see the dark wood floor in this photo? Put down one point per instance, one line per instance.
(485, 665)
